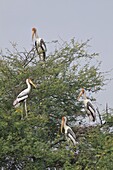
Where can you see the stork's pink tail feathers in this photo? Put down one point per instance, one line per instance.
(16, 102)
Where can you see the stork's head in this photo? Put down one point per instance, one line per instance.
(64, 120)
(30, 81)
(34, 30)
(81, 93)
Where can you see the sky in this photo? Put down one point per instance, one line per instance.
(62, 19)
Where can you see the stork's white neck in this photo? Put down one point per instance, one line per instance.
(36, 35)
(84, 96)
(65, 124)
(66, 127)
(28, 84)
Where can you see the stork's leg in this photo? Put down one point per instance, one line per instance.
(40, 56)
(25, 108)
(22, 111)
(22, 117)
(89, 118)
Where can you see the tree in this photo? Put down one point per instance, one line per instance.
(36, 141)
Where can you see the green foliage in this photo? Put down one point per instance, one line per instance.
(36, 142)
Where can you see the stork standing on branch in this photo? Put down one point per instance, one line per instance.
(88, 106)
(69, 134)
(39, 44)
(23, 95)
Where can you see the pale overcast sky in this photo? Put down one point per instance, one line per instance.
(82, 19)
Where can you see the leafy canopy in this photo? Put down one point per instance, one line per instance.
(36, 141)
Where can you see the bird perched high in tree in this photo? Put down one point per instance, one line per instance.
(23, 95)
(88, 106)
(39, 44)
(69, 134)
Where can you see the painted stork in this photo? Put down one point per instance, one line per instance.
(23, 95)
(88, 106)
(69, 134)
(39, 44)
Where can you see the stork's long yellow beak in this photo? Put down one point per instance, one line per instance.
(80, 94)
(33, 33)
(32, 83)
(62, 125)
